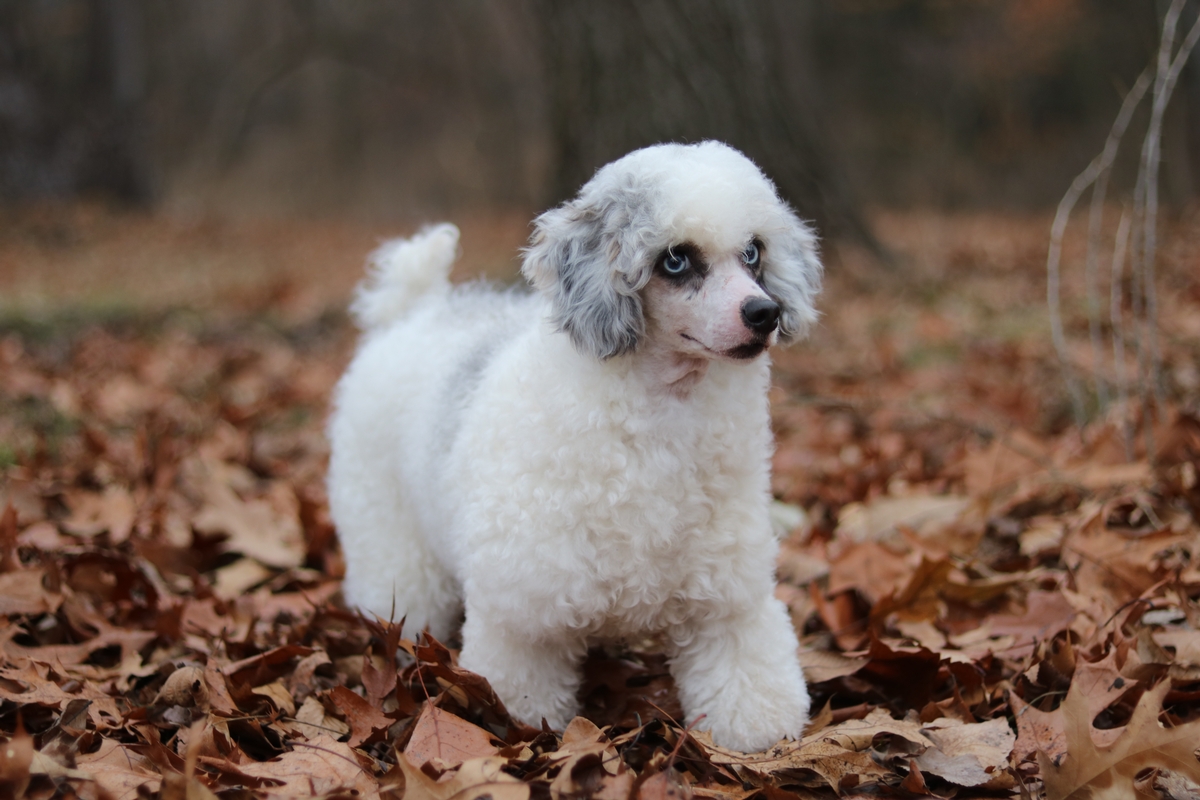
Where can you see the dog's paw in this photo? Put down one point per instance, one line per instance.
(753, 720)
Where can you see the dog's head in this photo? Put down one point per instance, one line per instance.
(689, 244)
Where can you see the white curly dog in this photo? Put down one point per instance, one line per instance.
(589, 462)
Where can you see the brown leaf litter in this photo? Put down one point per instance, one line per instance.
(991, 601)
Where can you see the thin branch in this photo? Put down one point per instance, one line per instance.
(1098, 168)
(1166, 76)
(1103, 164)
(1118, 330)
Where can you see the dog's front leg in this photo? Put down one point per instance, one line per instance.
(742, 674)
(535, 678)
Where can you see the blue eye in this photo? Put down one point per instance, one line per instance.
(750, 255)
(676, 263)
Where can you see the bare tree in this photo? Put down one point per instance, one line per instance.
(1136, 241)
(72, 86)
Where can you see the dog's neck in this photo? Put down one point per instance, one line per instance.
(667, 372)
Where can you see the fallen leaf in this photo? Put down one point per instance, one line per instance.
(825, 665)
(833, 763)
(365, 720)
(233, 580)
(869, 568)
(312, 715)
(280, 697)
(320, 766)
(119, 771)
(1009, 459)
(267, 529)
(474, 780)
(112, 510)
(23, 592)
(1046, 613)
(861, 734)
(1038, 732)
(1110, 771)
(663, 786)
(882, 517)
(969, 754)
(450, 739)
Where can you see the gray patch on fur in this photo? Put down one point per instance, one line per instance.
(461, 386)
(591, 261)
(791, 276)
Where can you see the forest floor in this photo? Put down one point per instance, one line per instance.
(993, 599)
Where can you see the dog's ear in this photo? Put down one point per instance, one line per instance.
(792, 275)
(576, 258)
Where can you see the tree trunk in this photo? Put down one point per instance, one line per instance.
(628, 73)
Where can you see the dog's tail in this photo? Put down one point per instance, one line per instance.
(402, 271)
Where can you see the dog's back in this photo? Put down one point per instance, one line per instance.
(424, 347)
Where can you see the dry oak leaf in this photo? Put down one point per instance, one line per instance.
(1171, 786)
(1098, 773)
(320, 766)
(590, 765)
(118, 771)
(441, 735)
(1101, 684)
(1017, 457)
(1046, 613)
(1038, 732)
(861, 734)
(280, 697)
(267, 530)
(71, 657)
(22, 592)
(969, 754)
(473, 780)
(311, 715)
(834, 764)
(234, 580)
(825, 665)
(41, 690)
(112, 510)
(881, 518)
(365, 720)
(663, 785)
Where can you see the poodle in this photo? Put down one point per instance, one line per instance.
(587, 462)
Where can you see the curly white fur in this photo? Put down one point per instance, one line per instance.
(589, 462)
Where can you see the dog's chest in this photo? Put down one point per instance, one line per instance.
(662, 542)
(610, 515)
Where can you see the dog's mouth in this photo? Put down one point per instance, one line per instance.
(743, 352)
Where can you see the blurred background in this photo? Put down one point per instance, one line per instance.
(371, 116)
(418, 107)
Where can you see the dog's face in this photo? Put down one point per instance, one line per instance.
(685, 245)
(708, 304)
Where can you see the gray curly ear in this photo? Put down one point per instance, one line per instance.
(577, 263)
(792, 275)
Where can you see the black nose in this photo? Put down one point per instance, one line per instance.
(761, 315)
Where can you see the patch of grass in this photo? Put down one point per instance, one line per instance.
(41, 416)
(926, 354)
(42, 327)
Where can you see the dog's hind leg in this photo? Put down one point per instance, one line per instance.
(390, 570)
